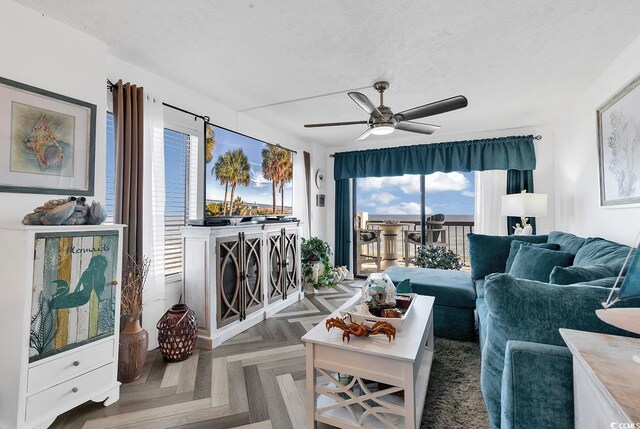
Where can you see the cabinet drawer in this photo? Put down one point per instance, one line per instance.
(56, 370)
(70, 393)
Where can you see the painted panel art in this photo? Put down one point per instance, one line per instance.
(619, 147)
(47, 141)
(73, 296)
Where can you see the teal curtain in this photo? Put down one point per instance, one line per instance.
(343, 223)
(517, 181)
(506, 153)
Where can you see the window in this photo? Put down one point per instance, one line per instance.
(180, 166)
(110, 196)
(180, 181)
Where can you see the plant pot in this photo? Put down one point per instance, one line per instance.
(177, 333)
(132, 353)
(309, 289)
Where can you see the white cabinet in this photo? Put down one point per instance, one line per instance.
(236, 276)
(59, 321)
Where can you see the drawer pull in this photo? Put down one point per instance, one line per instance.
(76, 363)
(75, 390)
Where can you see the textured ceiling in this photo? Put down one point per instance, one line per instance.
(518, 62)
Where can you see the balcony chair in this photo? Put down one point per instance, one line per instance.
(436, 235)
(368, 238)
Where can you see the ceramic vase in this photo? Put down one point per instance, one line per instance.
(132, 353)
(177, 333)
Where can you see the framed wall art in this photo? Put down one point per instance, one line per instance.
(619, 147)
(47, 141)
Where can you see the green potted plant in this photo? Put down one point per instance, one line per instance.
(316, 263)
(437, 257)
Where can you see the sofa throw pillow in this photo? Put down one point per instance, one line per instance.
(533, 263)
(489, 253)
(517, 244)
(572, 275)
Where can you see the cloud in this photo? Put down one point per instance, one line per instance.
(470, 194)
(442, 182)
(258, 179)
(410, 183)
(378, 198)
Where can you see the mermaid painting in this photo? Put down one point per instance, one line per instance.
(92, 279)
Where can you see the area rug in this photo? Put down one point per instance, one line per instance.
(454, 399)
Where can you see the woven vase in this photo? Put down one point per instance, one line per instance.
(177, 333)
(132, 353)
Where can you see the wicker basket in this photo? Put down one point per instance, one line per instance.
(177, 333)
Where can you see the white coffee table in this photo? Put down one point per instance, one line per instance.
(402, 365)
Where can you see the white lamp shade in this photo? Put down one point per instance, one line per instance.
(524, 205)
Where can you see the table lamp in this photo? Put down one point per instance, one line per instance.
(524, 205)
(624, 318)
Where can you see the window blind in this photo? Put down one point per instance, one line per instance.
(110, 195)
(180, 165)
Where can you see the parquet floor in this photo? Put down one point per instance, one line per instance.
(256, 380)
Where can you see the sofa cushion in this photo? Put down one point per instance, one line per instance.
(572, 275)
(479, 287)
(567, 242)
(517, 244)
(607, 282)
(598, 251)
(450, 288)
(488, 253)
(536, 264)
(532, 311)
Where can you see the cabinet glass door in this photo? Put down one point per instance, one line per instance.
(252, 283)
(229, 284)
(276, 291)
(290, 274)
(74, 290)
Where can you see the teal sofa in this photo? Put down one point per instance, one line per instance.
(527, 375)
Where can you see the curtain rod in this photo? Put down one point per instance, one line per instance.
(538, 137)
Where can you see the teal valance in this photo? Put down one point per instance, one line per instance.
(504, 153)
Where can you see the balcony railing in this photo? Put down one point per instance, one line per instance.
(456, 240)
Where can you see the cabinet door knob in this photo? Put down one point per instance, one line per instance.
(76, 363)
(114, 282)
(75, 390)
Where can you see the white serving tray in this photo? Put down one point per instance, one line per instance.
(396, 322)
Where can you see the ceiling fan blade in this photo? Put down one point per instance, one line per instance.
(435, 108)
(417, 127)
(364, 135)
(335, 124)
(366, 104)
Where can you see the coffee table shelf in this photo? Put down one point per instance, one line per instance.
(403, 365)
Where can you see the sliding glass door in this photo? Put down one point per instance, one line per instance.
(394, 216)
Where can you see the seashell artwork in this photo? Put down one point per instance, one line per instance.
(43, 144)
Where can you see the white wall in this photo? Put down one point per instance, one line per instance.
(46, 54)
(543, 175)
(576, 159)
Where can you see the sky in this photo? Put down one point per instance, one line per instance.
(447, 193)
(259, 189)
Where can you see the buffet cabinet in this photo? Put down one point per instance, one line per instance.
(236, 276)
(59, 321)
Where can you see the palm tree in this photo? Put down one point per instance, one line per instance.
(285, 174)
(223, 172)
(209, 142)
(269, 171)
(240, 170)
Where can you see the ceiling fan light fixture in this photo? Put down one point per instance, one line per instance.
(382, 129)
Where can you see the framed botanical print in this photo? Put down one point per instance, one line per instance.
(619, 147)
(47, 141)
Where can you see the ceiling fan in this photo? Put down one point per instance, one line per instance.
(383, 121)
